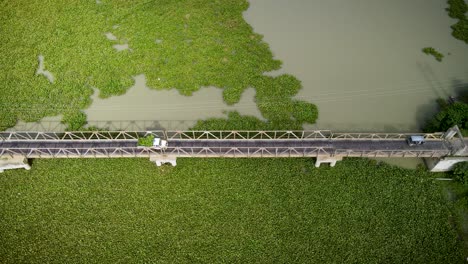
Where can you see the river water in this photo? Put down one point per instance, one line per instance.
(360, 61)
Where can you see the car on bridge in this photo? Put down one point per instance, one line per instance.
(415, 140)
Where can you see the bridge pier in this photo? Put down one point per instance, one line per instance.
(327, 159)
(14, 162)
(160, 160)
(443, 164)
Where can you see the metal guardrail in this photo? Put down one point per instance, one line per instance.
(103, 152)
(116, 152)
(215, 135)
(386, 136)
(392, 153)
(85, 135)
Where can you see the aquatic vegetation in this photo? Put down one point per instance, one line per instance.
(457, 192)
(304, 112)
(36, 28)
(181, 45)
(461, 172)
(449, 116)
(235, 121)
(460, 30)
(75, 120)
(223, 210)
(431, 51)
(457, 9)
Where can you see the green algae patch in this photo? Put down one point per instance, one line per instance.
(457, 9)
(181, 45)
(75, 120)
(433, 52)
(224, 211)
(236, 121)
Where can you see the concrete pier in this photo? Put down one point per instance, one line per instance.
(326, 159)
(160, 160)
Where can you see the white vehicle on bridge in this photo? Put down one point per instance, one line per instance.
(159, 143)
(415, 140)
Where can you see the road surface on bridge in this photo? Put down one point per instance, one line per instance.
(216, 147)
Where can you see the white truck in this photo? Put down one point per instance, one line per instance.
(159, 143)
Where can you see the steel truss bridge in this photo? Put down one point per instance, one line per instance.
(115, 144)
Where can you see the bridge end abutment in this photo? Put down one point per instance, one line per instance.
(443, 164)
(14, 162)
(458, 152)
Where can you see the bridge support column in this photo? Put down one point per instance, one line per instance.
(15, 162)
(443, 164)
(327, 159)
(160, 160)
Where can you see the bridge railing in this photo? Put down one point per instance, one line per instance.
(82, 135)
(391, 153)
(115, 152)
(215, 135)
(95, 152)
(253, 135)
(385, 136)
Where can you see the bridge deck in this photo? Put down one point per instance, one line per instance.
(224, 148)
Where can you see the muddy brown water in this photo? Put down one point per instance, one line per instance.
(168, 107)
(360, 61)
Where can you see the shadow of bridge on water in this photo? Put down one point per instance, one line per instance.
(109, 125)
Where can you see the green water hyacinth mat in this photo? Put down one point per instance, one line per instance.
(224, 210)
